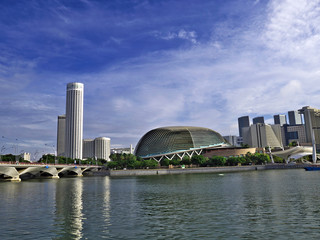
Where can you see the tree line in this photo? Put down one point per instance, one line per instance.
(130, 161)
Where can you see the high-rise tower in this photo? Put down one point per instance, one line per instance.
(258, 120)
(294, 118)
(74, 121)
(280, 119)
(242, 123)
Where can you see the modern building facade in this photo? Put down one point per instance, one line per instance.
(102, 148)
(292, 133)
(177, 141)
(88, 148)
(98, 148)
(263, 135)
(129, 150)
(312, 125)
(233, 140)
(280, 119)
(74, 121)
(258, 120)
(61, 136)
(295, 118)
(228, 152)
(242, 123)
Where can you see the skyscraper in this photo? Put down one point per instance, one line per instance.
(294, 118)
(262, 135)
(280, 119)
(74, 121)
(312, 124)
(258, 120)
(243, 122)
(88, 148)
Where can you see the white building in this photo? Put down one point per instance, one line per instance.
(26, 156)
(102, 148)
(98, 148)
(74, 121)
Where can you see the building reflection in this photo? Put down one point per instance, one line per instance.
(82, 208)
(69, 207)
(106, 204)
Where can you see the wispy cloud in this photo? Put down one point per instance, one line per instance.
(181, 34)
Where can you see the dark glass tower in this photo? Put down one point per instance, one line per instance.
(243, 122)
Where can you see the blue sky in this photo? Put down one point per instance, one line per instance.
(147, 64)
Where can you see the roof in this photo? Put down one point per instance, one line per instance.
(166, 140)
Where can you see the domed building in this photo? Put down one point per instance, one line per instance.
(177, 141)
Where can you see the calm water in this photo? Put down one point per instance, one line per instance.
(280, 204)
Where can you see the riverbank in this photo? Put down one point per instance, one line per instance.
(142, 172)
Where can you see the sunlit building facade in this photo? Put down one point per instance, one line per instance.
(74, 121)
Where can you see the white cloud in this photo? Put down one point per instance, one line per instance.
(181, 34)
(293, 29)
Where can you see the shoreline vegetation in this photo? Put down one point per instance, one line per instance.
(130, 161)
(130, 165)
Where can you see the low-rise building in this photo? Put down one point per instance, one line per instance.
(26, 156)
(228, 152)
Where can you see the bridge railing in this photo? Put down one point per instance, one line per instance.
(44, 164)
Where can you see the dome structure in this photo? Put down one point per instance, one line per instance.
(178, 139)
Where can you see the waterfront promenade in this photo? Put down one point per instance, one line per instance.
(16, 171)
(141, 172)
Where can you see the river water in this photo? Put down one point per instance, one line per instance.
(273, 204)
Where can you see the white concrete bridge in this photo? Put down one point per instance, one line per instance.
(16, 172)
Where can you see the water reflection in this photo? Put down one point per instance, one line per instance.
(69, 207)
(265, 205)
(106, 204)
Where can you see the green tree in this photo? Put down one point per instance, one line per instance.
(199, 160)
(150, 163)
(47, 158)
(8, 158)
(293, 144)
(245, 145)
(277, 159)
(257, 158)
(186, 160)
(217, 161)
(112, 165)
(165, 162)
(232, 161)
(137, 164)
(175, 161)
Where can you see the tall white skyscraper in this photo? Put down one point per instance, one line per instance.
(74, 121)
